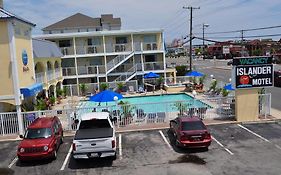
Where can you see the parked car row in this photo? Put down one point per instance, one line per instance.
(95, 136)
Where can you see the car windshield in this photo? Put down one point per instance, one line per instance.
(96, 123)
(196, 125)
(38, 133)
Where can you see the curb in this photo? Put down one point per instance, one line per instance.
(222, 68)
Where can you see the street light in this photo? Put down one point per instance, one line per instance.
(204, 25)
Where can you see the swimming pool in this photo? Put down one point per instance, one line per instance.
(155, 103)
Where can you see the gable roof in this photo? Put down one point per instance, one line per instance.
(5, 15)
(75, 21)
(45, 49)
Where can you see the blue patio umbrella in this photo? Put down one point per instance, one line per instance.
(105, 96)
(151, 75)
(194, 74)
(229, 87)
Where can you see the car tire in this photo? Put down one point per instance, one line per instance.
(114, 157)
(61, 139)
(55, 154)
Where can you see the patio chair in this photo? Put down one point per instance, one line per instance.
(131, 90)
(151, 117)
(161, 116)
(140, 116)
(191, 112)
(201, 112)
(141, 90)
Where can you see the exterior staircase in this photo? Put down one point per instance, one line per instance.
(128, 75)
(117, 61)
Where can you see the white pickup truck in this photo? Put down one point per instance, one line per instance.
(95, 137)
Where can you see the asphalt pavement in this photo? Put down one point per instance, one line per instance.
(236, 149)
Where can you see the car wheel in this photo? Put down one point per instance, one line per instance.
(61, 139)
(55, 155)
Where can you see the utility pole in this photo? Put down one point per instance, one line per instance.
(204, 25)
(242, 42)
(190, 34)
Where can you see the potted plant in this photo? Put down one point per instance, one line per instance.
(64, 90)
(224, 92)
(120, 87)
(83, 88)
(103, 86)
(40, 105)
(52, 100)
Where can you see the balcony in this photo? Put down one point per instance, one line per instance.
(67, 50)
(82, 50)
(150, 46)
(40, 77)
(50, 75)
(57, 73)
(153, 66)
(68, 71)
(91, 70)
(111, 48)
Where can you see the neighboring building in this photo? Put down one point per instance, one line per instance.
(47, 61)
(82, 23)
(110, 56)
(235, 50)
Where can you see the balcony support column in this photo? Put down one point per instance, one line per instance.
(76, 66)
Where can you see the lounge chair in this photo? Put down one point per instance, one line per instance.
(151, 117)
(141, 90)
(161, 116)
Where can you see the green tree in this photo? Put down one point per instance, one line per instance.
(257, 52)
(181, 70)
(224, 92)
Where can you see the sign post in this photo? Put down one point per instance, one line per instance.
(249, 74)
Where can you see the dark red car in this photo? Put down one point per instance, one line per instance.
(190, 132)
(41, 139)
(277, 78)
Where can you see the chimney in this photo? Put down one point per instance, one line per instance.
(1, 4)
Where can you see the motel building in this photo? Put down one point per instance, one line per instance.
(96, 50)
(29, 68)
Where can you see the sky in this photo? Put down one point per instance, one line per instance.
(221, 15)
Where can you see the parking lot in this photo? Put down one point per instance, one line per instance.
(236, 149)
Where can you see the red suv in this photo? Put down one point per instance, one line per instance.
(41, 139)
(190, 132)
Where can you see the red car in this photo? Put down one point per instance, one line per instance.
(190, 132)
(41, 139)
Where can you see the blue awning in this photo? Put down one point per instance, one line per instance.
(32, 90)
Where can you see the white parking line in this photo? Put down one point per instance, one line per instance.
(243, 127)
(165, 139)
(259, 136)
(120, 146)
(226, 149)
(66, 159)
(13, 162)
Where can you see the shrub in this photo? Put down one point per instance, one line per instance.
(103, 86)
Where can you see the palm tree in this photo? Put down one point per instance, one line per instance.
(83, 88)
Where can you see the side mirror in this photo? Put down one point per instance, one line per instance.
(21, 136)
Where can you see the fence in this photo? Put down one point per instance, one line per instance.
(219, 108)
(71, 90)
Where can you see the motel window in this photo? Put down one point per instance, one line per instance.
(121, 40)
(64, 43)
(149, 38)
(94, 41)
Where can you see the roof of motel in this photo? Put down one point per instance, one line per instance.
(45, 49)
(79, 20)
(99, 33)
(4, 14)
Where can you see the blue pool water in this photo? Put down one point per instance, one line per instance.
(156, 103)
